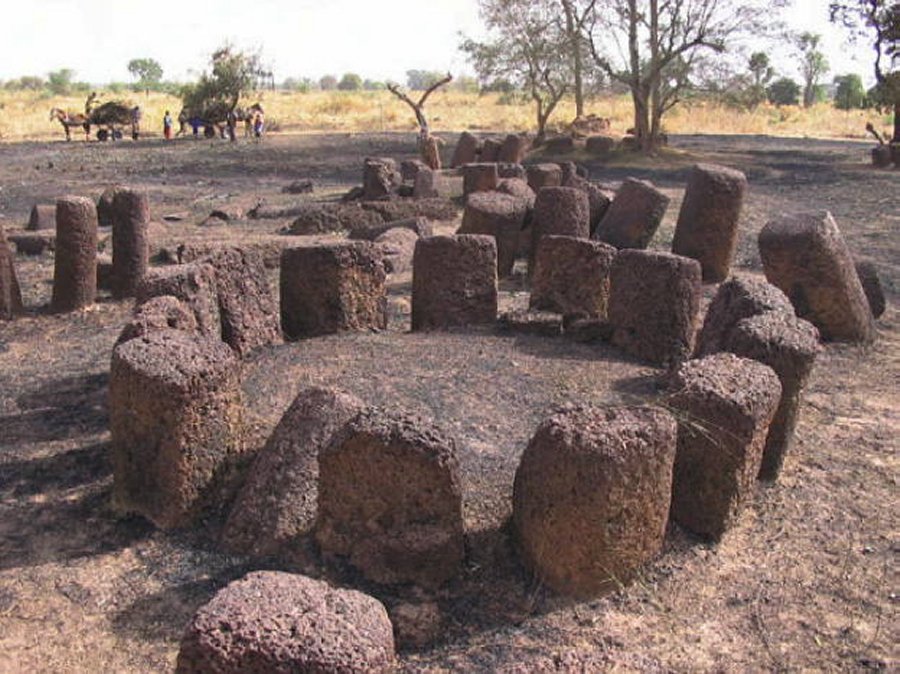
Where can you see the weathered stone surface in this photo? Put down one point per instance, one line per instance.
(409, 169)
(397, 246)
(544, 175)
(10, 293)
(454, 281)
(600, 145)
(466, 151)
(490, 149)
(425, 185)
(32, 243)
(598, 199)
(130, 240)
(271, 622)
(586, 330)
(707, 228)
(805, 255)
(277, 505)
(739, 297)
(390, 499)
(559, 145)
(563, 211)
(436, 209)
(516, 187)
(164, 312)
(302, 186)
(104, 272)
(501, 216)
(871, 285)
(417, 624)
(175, 420)
(634, 215)
(479, 178)
(75, 267)
(724, 405)
(571, 276)
(789, 345)
(320, 218)
(511, 170)
(105, 209)
(881, 156)
(194, 284)
(43, 216)
(653, 305)
(330, 288)
(591, 496)
(531, 322)
(513, 148)
(418, 225)
(380, 177)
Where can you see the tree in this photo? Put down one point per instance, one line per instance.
(878, 21)
(429, 146)
(813, 65)
(350, 82)
(784, 91)
(60, 81)
(147, 72)
(421, 80)
(577, 14)
(233, 74)
(849, 92)
(524, 50)
(761, 73)
(328, 83)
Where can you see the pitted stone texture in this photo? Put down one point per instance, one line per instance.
(43, 216)
(105, 207)
(277, 504)
(380, 177)
(130, 241)
(247, 307)
(75, 266)
(805, 255)
(737, 298)
(425, 186)
(871, 285)
(454, 281)
(104, 272)
(598, 200)
(482, 177)
(559, 145)
(466, 151)
(390, 499)
(544, 175)
(418, 225)
(271, 622)
(159, 313)
(194, 284)
(409, 169)
(724, 405)
(320, 218)
(490, 149)
(501, 216)
(398, 245)
(531, 322)
(707, 228)
(600, 145)
(653, 305)
(561, 211)
(331, 288)
(33, 243)
(513, 149)
(10, 293)
(633, 216)
(789, 345)
(571, 276)
(591, 496)
(516, 187)
(507, 170)
(175, 420)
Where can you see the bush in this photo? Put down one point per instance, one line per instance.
(850, 93)
(350, 82)
(784, 91)
(328, 83)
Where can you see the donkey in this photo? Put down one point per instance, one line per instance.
(71, 120)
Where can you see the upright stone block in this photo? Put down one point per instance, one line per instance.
(598, 199)
(805, 255)
(513, 149)
(159, 313)
(490, 149)
(481, 177)
(10, 293)
(724, 407)
(871, 284)
(560, 211)
(194, 284)
(634, 215)
(75, 268)
(130, 242)
(175, 420)
(653, 305)
(454, 281)
(380, 177)
(43, 216)
(501, 216)
(466, 151)
(544, 175)
(707, 228)
(591, 496)
(571, 276)
(329, 288)
(397, 245)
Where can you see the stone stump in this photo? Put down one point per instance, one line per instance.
(10, 293)
(380, 177)
(789, 345)
(653, 304)
(498, 215)
(490, 149)
(466, 151)
(175, 421)
(600, 145)
(561, 211)
(329, 288)
(571, 276)
(516, 187)
(105, 208)
(513, 149)
(454, 281)
(633, 216)
(271, 622)
(277, 505)
(511, 170)
(194, 284)
(598, 199)
(479, 178)
(544, 175)
(130, 243)
(805, 255)
(33, 243)
(398, 245)
(43, 216)
(591, 496)
(881, 156)
(409, 169)
(560, 144)
(707, 228)
(75, 268)
(739, 297)
(723, 405)
(390, 500)
(159, 313)
(418, 225)
(424, 186)
(871, 285)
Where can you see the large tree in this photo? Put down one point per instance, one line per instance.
(233, 74)
(146, 71)
(813, 65)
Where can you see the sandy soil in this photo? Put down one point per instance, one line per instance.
(806, 581)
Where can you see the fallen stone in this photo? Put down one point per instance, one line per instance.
(634, 215)
(531, 322)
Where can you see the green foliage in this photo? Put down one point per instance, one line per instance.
(813, 65)
(59, 82)
(420, 80)
(146, 71)
(233, 74)
(350, 82)
(784, 91)
(466, 84)
(328, 83)
(25, 83)
(372, 85)
(301, 85)
(849, 92)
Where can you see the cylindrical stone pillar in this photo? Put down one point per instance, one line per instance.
(131, 250)
(563, 211)
(75, 270)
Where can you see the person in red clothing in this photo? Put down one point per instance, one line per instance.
(167, 125)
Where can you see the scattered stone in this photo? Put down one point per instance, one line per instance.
(634, 215)
(723, 405)
(871, 285)
(194, 284)
(479, 178)
(454, 281)
(466, 151)
(130, 241)
(544, 175)
(498, 215)
(380, 177)
(304, 186)
(513, 149)
(164, 312)
(591, 496)
(563, 211)
(75, 267)
(175, 420)
(322, 218)
(277, 505)
(559, 145)
(10, 293)
(390, 499)
(805, 255)
(43, 216)
(490, 149)
(571, 276)
(436, 209)
(398, 245)
(531, 322)
(409, 169)
(33, 243)
(418, 225)
(271, 622)
(600, 145)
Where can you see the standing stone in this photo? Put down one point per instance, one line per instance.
(10, 293)
(454, 281)
(805, 255)
(513, 149)
(130, 244)
(571, 276)
(271, 622)
(329, 288)
(724, 405)
(194, 284)
(707, 228)
(466, 151)
(511, 170)
(563, 211)
(871, 285)
(390, 499)
(105, 209)
(544, 175)
(598, 199)
(277, 505)
(175, 420)
(397, 245)
(789, 345)
(600, 145)
(498, 215)
(43, 216)
(75, 269)
(517, 187)
(490, 149)
(653, 304)
(409, 169)
(634, 215)
(159, 313)
(380, 178)
(591, 496)
(479, 178)
(559, 145)
(424, 186)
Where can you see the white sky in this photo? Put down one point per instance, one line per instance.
(378, 39)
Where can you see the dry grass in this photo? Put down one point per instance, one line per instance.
(26, 114)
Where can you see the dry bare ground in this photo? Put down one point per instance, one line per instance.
(806, 581)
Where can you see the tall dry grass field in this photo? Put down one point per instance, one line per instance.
(25, 115)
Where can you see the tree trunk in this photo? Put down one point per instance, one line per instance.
(896, 138)
(541, 120)
(649, 143)
(577, 67)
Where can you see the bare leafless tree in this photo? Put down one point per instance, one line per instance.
(428, 144)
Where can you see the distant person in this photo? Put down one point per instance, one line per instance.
(231, 122)
(195, 123)
(136, 116)
(182, 122)
(167, 126)
(259, 124)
